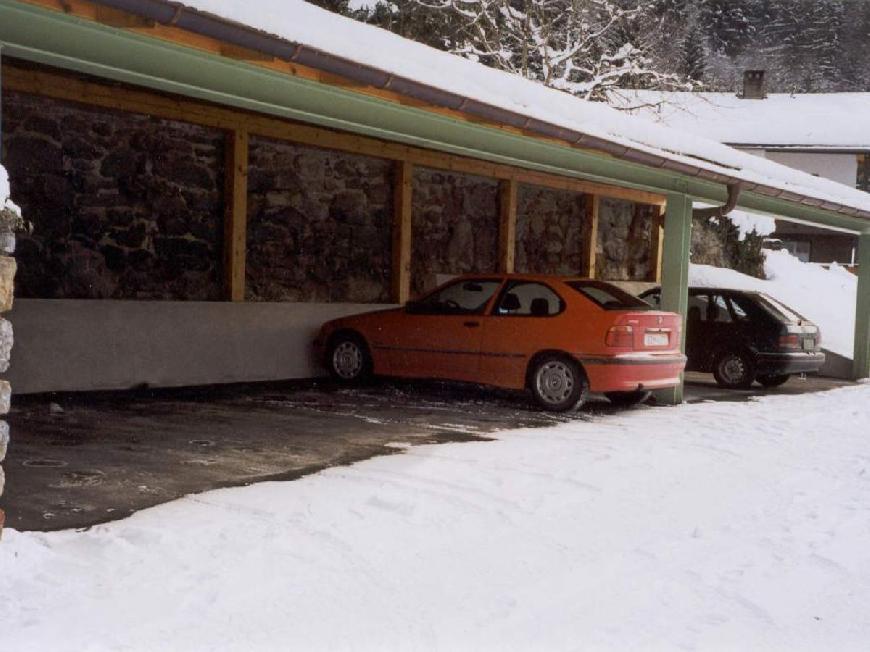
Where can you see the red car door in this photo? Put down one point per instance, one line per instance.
(520, 323)
(440, 336)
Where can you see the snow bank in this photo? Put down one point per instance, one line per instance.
(299, 22)
(715, 526)
(746, 223)
(752, 223)
(826, 297)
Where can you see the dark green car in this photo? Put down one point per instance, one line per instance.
(742, 337)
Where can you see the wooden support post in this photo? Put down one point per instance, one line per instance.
(657, 238)
(236, 214)
(590, 242)
(507, 231)
(403, 187)
(675, 273)
(861, 364)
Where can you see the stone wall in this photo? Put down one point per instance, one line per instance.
(123, 205)
(624, 241)
(319, 225)
(552, 230)
(455, 226)
(9, 225)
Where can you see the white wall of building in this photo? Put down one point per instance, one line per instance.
(842, 168)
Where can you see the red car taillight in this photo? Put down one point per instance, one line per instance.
(790, 342)
(620, 337)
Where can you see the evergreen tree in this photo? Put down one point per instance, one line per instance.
(728, 25)
(853, 69)
(693, 57)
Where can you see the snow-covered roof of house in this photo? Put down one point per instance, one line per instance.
(819, 121)
(590, 125)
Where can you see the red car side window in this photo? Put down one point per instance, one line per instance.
(528, 299)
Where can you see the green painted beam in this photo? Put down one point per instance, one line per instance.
(675, 273)
(861, 368)
(57, 39)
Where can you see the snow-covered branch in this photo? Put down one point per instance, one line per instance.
(578, 46)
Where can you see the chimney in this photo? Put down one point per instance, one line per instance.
(754, 85)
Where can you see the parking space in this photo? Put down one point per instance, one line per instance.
(78, 460)
(702, 387)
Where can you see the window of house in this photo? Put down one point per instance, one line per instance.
(800, 249)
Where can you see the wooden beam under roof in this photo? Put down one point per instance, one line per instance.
(118, 97)
(590, 242)
(403, 187)
(507, 232)
(236, 215)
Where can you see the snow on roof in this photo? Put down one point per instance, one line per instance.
(812, 121)
(305, 24)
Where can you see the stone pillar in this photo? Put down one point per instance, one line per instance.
(9, 223)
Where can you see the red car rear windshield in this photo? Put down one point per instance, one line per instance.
(609, 296)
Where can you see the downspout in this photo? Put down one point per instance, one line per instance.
(720, 211)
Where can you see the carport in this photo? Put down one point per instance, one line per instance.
(171, 63)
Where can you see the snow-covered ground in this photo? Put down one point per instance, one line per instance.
(826, 297)
(715, 526)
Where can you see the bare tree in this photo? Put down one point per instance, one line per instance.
(579, 46)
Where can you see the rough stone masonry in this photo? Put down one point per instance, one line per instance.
(9, 224)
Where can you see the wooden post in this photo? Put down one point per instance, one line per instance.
(590, 243)
(507, 231)
(657, 238)
(236, 214)
(403, 187)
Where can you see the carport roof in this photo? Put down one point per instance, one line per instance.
(297, 31)
(569, 136)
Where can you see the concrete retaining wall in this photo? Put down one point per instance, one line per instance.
(71, 345)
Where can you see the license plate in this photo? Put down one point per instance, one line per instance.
(655, 339)
(809, 344)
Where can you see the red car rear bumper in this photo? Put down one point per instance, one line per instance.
(633, 371)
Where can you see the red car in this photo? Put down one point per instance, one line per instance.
(560, 338)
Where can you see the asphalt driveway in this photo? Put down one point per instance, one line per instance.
(78, 460)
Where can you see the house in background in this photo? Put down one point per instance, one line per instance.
(824, 134)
